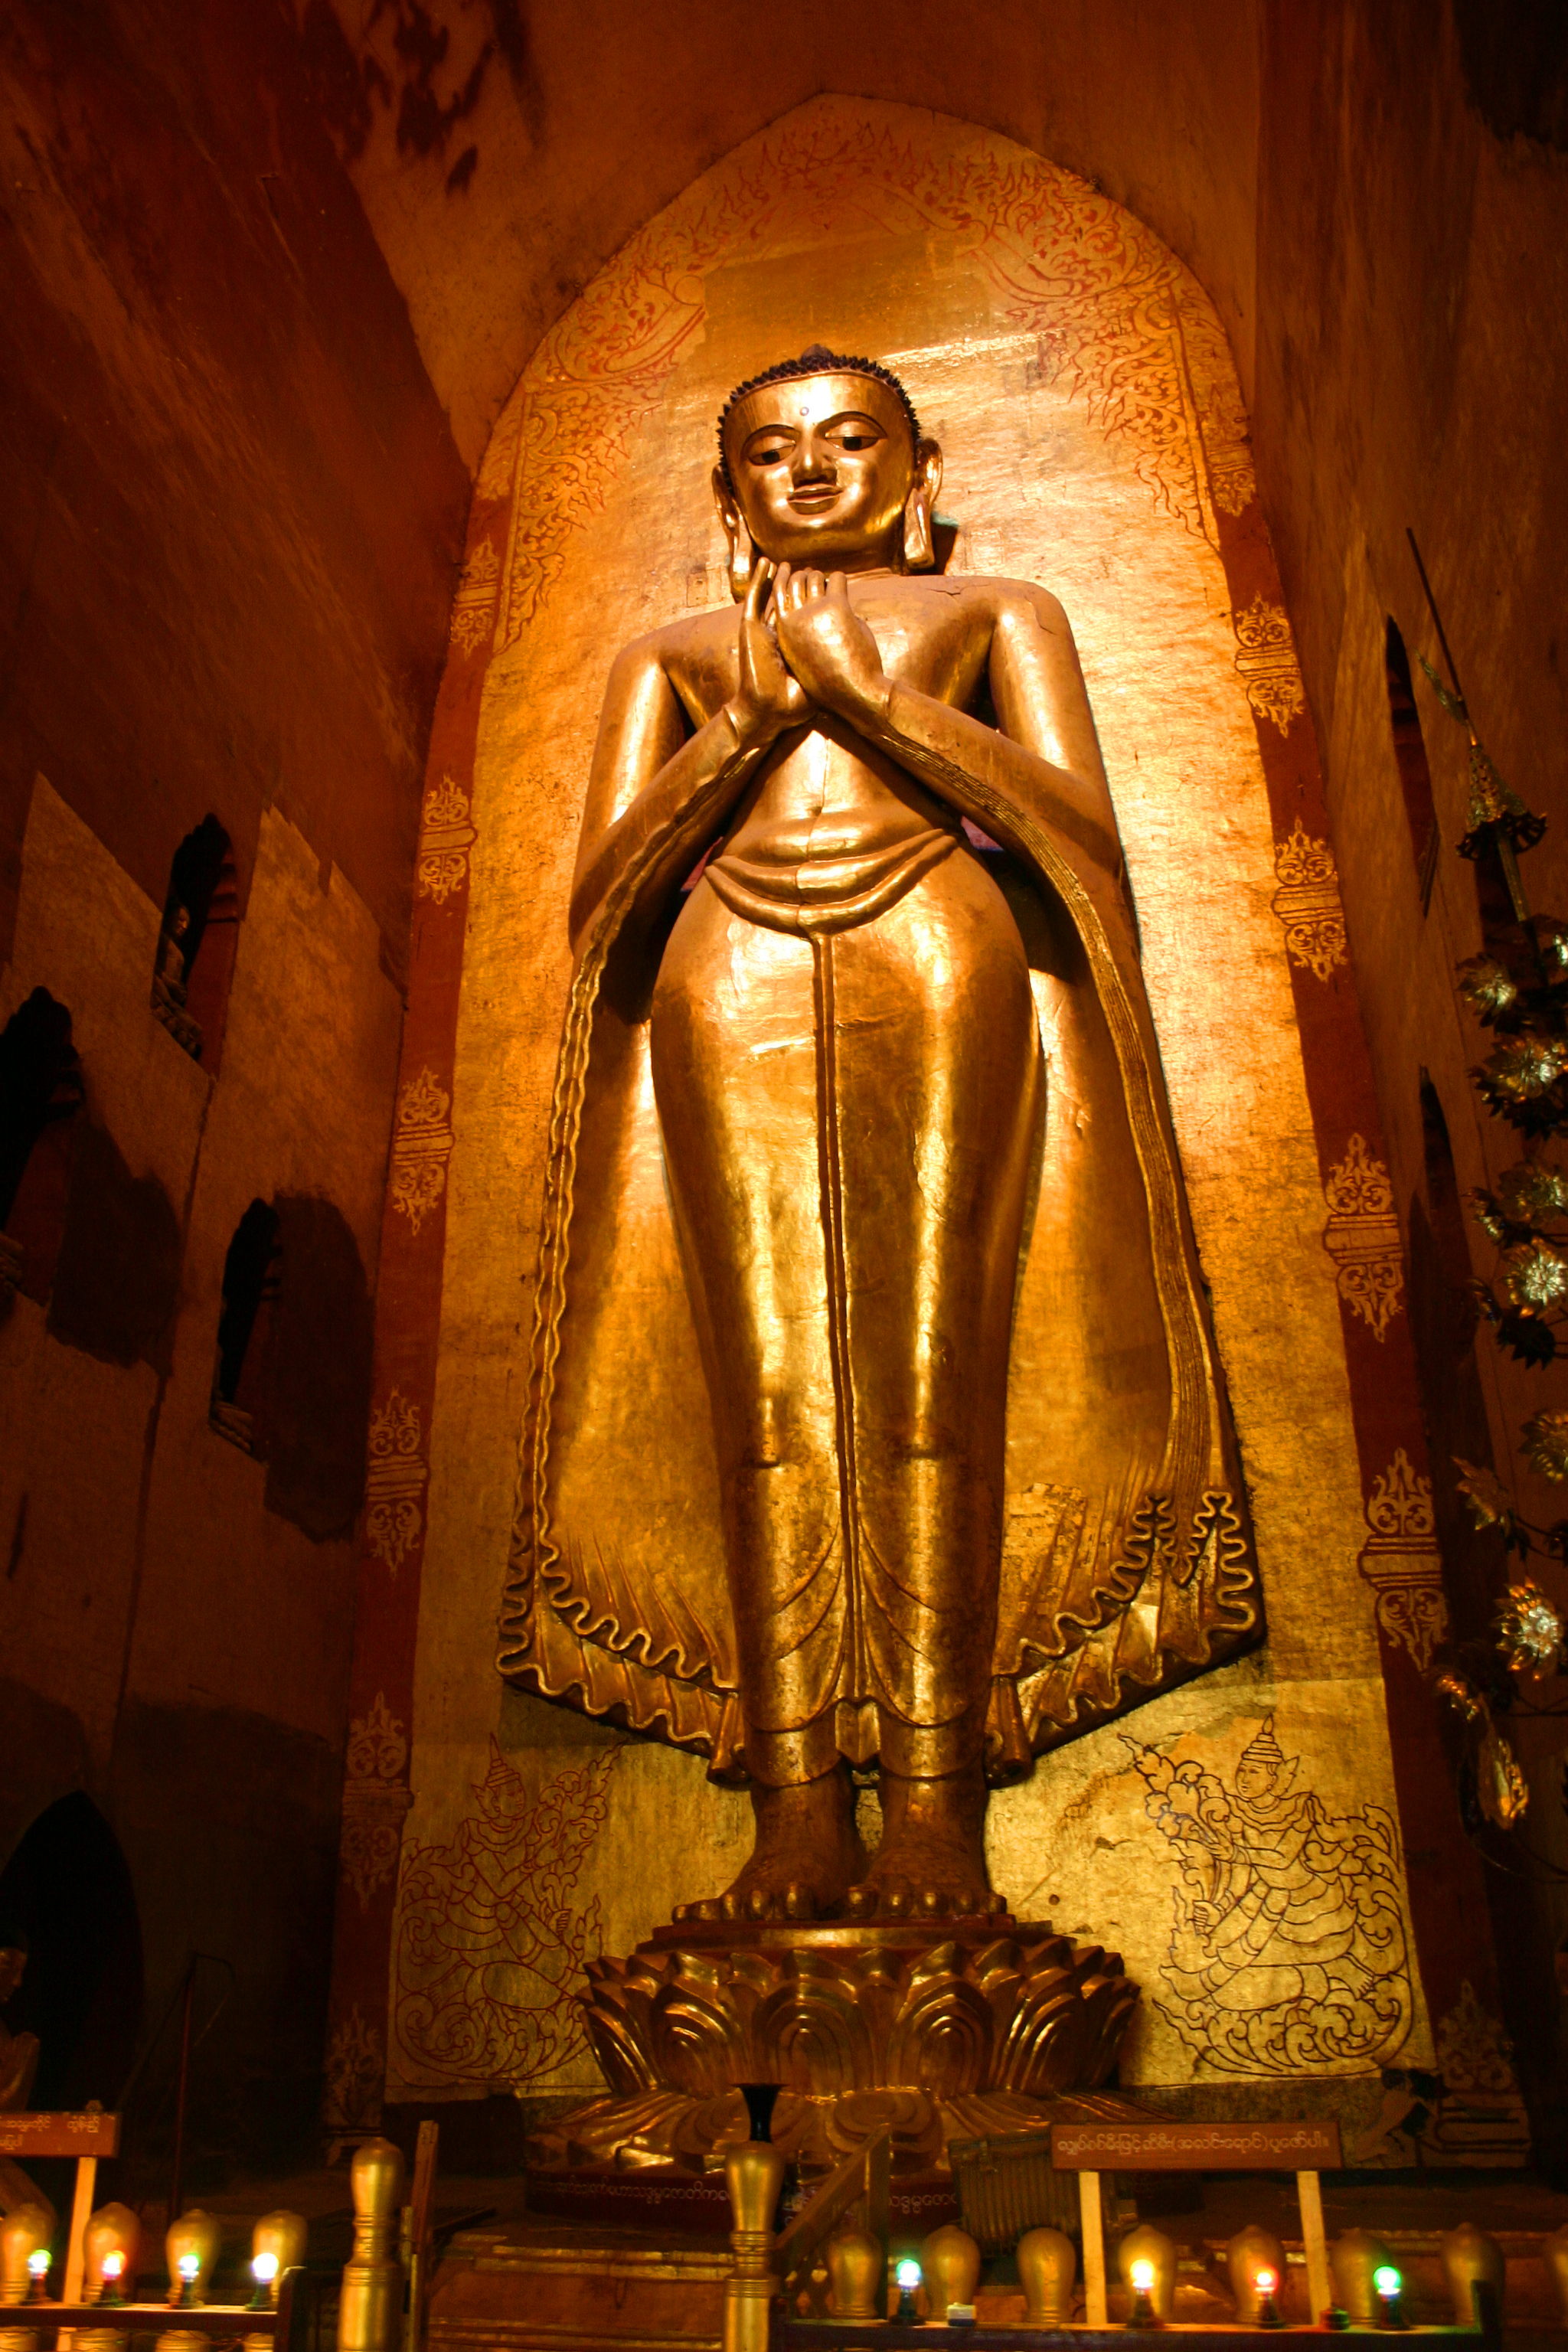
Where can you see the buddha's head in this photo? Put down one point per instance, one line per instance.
(821, 461)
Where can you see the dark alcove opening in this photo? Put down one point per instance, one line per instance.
(1410, 753)
(196, 944)
(252, 1277)
(67, 1895)
(40, 1089)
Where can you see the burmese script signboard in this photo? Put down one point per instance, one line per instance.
(1196, 2147)
(90, 2133)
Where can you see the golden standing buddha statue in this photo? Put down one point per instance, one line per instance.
(781, 1509)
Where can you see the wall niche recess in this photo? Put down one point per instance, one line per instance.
(242, 1379)
(40, 1092)
(196, 944)
(1410, 752)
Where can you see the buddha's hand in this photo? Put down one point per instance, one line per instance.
(766, 699)
(828, 646)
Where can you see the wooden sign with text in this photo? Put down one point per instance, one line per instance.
(87, 2134)
(1196, 2147)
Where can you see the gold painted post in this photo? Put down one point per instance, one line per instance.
(754, 2174)
(1094, 2307)
(1319, 2282)
(76, 2244)
(81, 2212)
(370, 2316)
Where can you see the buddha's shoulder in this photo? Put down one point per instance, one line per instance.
(692, 634)
(1002, 597)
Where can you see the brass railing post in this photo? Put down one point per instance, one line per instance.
(754, 2174)
(370, 2316)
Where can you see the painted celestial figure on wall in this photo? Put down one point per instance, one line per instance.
(1289, 1950)
(928, 1262)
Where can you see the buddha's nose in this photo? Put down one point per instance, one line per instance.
(812, 464)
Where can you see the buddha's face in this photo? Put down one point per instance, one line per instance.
(821, 467)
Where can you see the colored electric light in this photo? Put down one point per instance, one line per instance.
(1387, 2281)
(908, 2274)
(1142, 2278)
(190, 2266)
(38, 2262)
(1265, 2282)
(114, 2265)
(264, 2269)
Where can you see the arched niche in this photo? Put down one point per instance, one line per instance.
(1410, 756)
(66, 1893)
(196, 942)
(40, 1092)
(242, 1372)
(1080, 383)
(291, 1365)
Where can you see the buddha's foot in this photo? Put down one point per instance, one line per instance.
(932, 1862)
(806, 1857)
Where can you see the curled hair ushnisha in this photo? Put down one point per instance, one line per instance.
(815, 360)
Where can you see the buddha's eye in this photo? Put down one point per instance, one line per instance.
(859, 440)
(771, 452)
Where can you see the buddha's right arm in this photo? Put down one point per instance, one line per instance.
(653, 798)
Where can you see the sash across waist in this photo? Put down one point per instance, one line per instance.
(828, 894)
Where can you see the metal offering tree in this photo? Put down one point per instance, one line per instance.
(1518, 989)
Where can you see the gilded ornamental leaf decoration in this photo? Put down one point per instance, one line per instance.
(395, 1473)
(474, 606)
(1265, 664)
(1362, 1237)
(422, 1144)
(376, 1799)
(1308, 903)
(1402, 1563)
(446, 836)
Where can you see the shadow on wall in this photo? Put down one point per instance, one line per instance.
(1515, 56)
(99, 1247)
(230, 1825)
(40, 1093)
(291, 1383)
(117, 1277)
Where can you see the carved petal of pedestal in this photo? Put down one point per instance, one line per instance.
(829, 2012)
(667, 2131)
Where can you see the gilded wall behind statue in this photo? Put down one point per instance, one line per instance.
(1081, 389)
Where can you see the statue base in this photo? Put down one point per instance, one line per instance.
(929, 2031)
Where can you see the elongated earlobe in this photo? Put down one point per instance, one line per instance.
(742, 562)
(919, 553)
(743, 547)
